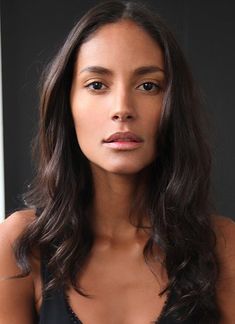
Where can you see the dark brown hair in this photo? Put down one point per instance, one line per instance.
(177, 194)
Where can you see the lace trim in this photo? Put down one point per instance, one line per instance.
(75, 320)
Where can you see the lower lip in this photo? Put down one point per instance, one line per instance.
(123, 145)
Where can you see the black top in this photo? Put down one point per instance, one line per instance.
(55, 307)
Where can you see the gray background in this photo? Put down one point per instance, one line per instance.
(32, 31)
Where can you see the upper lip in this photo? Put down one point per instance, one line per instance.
(123, 135)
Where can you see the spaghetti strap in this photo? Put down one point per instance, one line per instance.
(53, 309)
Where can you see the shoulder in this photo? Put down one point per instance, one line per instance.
(225, 248)
(10, 229)
(20, 218)
(224, 228)
(14, 224)
(222, 221)
(17, 294)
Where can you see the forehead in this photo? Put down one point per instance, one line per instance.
(123, 44)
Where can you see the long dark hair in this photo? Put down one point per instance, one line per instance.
(177, 189)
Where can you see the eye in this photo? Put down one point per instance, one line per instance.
(150, 86)
(147, 86)
(95, 85)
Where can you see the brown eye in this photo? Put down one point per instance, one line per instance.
(150, 86)
(95, 85)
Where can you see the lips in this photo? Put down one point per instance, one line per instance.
(123, 137)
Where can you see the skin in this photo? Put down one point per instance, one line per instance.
(124, 288)
(122, 104)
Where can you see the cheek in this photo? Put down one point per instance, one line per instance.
(151, 122)
(88, 124)
(150, 109)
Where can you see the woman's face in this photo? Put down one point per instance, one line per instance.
(118, 87)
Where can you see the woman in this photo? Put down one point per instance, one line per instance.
(119, 226)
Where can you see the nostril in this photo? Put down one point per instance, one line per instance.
(122, 117)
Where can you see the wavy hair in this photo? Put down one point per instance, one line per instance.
(177, 189)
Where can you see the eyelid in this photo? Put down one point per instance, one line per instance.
(157, 84)
(95, 81)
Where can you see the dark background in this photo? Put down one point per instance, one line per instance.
(32, 31)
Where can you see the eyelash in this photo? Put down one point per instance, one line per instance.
(158, 88)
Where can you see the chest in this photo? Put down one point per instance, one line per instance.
(122, 291)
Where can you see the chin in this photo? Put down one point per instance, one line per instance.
(124, 171)
(121, 168)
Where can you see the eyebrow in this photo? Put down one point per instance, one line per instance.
(137, 72)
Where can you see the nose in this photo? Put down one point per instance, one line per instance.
(123, 107)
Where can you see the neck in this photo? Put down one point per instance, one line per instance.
(113, 197)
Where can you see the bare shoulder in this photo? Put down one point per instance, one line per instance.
(224, 228)
(10, 229)
(16, 223)
(17, 293)
(21, 217)
(225, 233)
(221, 221)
